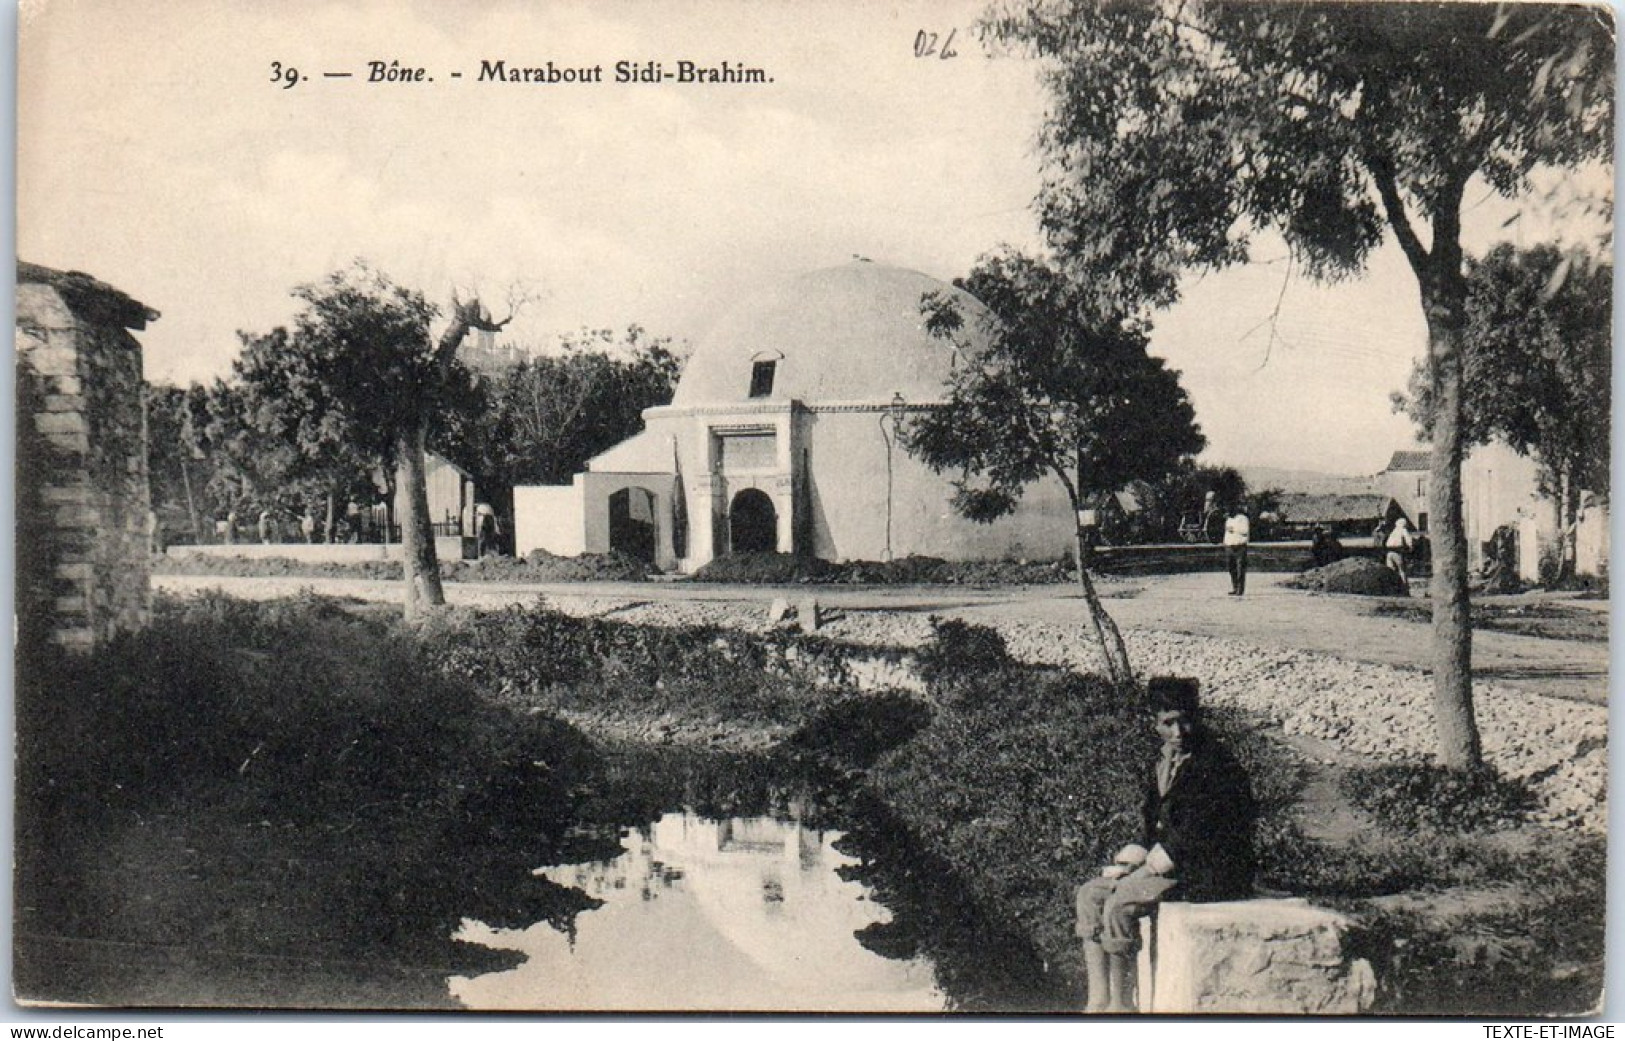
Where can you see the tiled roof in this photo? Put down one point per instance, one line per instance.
(1328, 509)
(1409, 460)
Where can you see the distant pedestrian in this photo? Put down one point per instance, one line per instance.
(1325, 549)
(265, 527)
(231, 527)
(485, 528)
(1400, 543)
(1379, 535)
(1237, 533)
(307, 526)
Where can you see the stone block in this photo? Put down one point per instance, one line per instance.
(75, 637)
(1261, 957)
(53, 360)
(61, 423)
(778, 610)
(65, 495)
(63, 403)
(807, 614)
(70, 605)
(80, 572)
(76, 516)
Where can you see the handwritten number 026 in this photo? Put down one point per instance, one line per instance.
(925, 45)
(286, 75)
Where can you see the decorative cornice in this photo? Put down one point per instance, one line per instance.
(782, 407)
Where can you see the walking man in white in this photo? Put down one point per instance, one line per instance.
(1400, 544)
(1236, 533)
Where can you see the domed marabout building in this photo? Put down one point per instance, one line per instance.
(781, 437)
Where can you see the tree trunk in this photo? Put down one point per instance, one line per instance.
(1452, 629)
(1568, 531)
(191, 504)
(422, 567)
(329, 535)
(1112, 648)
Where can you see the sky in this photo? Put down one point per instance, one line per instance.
(157, 152)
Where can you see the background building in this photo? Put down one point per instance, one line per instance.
(781, 437)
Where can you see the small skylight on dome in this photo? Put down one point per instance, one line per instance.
(761, 378)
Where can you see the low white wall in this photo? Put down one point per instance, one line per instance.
(550, 517)
(448, 547)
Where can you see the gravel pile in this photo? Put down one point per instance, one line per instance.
(1380, 711)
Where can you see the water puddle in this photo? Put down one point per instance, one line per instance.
(697, 914)
(693, 881)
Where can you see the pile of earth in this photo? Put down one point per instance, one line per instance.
(1361, 576)
(792, 569)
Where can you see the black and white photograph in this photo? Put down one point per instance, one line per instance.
(1051, 508)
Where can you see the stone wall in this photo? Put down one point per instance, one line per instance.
(82, 554)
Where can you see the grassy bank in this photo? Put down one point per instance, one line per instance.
(1024, 779)
(283, 791)
(327, 790)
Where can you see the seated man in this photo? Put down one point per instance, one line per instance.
(1197, 845)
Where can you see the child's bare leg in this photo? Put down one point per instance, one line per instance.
(1123, 972)
(1096, 977)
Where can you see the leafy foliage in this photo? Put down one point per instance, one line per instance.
(1416, 797)
(1537, 361)
(1178, 130)
(1057, 393)
(1322, 121)
(1026, 780)
(290, 733)
(1538, 353)
(1180, 496)
(540, 422)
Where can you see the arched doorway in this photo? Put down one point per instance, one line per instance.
(632, 527)
(753, 523)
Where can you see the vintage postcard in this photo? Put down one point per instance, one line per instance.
(973, 506)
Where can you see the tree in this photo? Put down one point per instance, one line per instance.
(374, 369)
(332, 451)
(541, 421)
(1179, 127)
(1536, 372)
(1181, 495)
(1058, 393)
(172, 467)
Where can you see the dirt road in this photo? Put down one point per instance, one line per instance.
(1270, 615)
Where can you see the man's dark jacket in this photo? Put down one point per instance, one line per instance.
(1205, 823)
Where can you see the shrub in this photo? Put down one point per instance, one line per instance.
(1026, 780)
(532, 656)
(1418, 796)
(286, 733)
(764, 569)
(538, 566)
(961, 649)
(541, 566)
(855, 729)
(786, 569)
(1361, 576)
(1538, 951)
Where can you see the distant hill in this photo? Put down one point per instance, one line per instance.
(1305, 482)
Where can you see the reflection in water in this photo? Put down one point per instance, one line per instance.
(746, 913)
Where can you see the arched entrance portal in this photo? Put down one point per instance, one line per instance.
(632, 528)
(753, 523)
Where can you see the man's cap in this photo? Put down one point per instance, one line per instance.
(1173, 693)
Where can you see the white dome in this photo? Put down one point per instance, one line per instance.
(848, 333)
